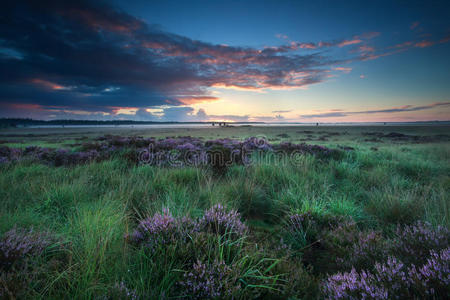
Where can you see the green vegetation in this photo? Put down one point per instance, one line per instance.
(92, 208)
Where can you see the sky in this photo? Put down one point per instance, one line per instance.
(235, 61)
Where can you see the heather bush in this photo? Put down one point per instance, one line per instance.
(162, 229)
(214, 280)
(120, 292)
(170, 151)
(20, 251)
(348, 247)
(354, 286)
(331, 243)
(394, 280)
(433, 278)
(17, 245)
(412, 243)
(388, 281)
(8, 154)
(221, 221)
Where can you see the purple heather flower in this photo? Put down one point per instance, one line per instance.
(208, 281)
(162, 229)
(414, 242)
(221, 221)
(18, 244)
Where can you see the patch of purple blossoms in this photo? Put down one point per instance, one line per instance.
(209, 281)
(222, 221)
(413, 243)
(394, 280)
(18, 244)
(121, 291)
(162, 229)
(433, 278)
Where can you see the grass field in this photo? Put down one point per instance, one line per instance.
(302, 222)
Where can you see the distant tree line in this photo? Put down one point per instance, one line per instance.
(24, 122)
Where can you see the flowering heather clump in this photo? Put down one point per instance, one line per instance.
(16, 245)
(392, 275)
(162, 229)
(64, 157)
(8, 154)
(389, 281)
(331, 243)
(354, 248)
(209, 281)
(4, 160)
(121, 292)
(169, 151)
(433, 278)
(159, 227)
(218, 220)
(394, 280)
(413, 243)
(353, 285)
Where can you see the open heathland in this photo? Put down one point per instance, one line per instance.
(239, 212)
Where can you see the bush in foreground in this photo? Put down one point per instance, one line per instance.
(20, 250)
(394, 280)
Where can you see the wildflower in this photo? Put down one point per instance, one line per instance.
(17, 244)
(209, 281)
(218, 220)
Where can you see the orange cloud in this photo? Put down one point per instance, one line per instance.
(424, 44)
(195, 100)
(343, 69)
(349, 42)
(25, 106)
(49, 85)
(365, 48)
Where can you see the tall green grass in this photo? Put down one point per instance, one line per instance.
(93, 206)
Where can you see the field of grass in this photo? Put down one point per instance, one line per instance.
(304, 221)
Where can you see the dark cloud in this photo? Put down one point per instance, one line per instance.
(91, 56)
(389, 110)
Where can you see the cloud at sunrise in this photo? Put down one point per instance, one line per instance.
(301, 62)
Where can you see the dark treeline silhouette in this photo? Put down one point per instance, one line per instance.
(18, 122)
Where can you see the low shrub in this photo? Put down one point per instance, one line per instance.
(412, 243)
(17, 245)
(162, 229)
(394, 280)
(20, 251)
(209, 281)
(120, 292)
(221, 221)
(347, 247)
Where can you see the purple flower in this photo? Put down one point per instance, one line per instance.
(414, 242)
(209, 281)
(394, 280)
(221, 221)
(162, 229)
(18, 244)
(121, 291)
